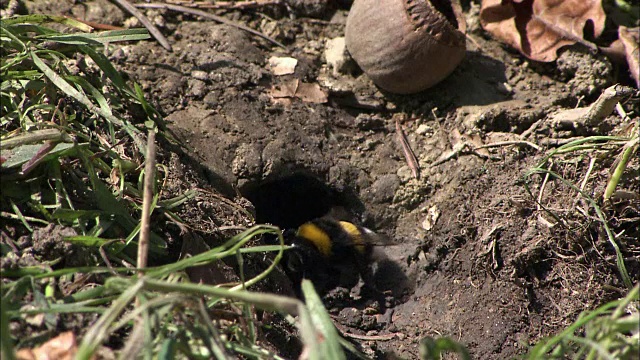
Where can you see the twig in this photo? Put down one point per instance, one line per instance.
(584, 181)
(35, 136)
(474, 42)
(143, 19)
(147, 199)
(486, 237)
(558, 142)
(344, 333)
(206, 15)
(462, 147)
(507, 143)
(458, 149)
(55, 112)
(622, 113)
(96, 25)
(525, 134)
(409, 155)
(25, 218)
(226, 228)
(386, 337)
(225, 4)
(135, 340)
(42, 152)
(544, 183)
(105, 258)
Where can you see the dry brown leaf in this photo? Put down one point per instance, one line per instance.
(312, 93)
(615, 52)
(306, 92)
(630, 38)
(61, 347)
(538, 28)
(283, 94)
(285, 90)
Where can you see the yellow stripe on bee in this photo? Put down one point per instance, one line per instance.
(317, 236)
(355, 234)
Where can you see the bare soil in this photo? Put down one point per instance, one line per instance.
(488, 270)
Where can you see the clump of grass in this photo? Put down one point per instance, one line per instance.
(594, 147)
(73, 149)
(611, 331)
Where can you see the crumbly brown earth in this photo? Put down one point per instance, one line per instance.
(488, 270)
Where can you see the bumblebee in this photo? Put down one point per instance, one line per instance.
(330, 253)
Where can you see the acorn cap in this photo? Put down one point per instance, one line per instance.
(404, 46)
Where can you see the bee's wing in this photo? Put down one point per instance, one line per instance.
(377, 239)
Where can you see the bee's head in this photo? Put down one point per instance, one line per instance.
(300, 254)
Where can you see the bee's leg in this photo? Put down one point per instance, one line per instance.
(367, 273)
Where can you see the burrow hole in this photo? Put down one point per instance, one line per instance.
(292, 200)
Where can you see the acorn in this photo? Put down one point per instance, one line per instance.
(406, 46)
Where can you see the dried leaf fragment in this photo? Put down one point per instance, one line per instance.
(630, 38)
(295, 88)
(61, 347)
(311, 93)
(285, 90)
(432, 217)
(538, 28)
(282, 65)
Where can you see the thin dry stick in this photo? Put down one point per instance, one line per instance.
(544, 184)
(225, 4)
(147, 199)
(592, 162)
(507, 143)
(622, 113)
(35, 136)
(97, 26)
(460, 148)
(104, 256)
(385, 337)
(135, 340)
(531, 129)
(206, 15)
(411, 158)
(457, 149)
(143, 19)
(40, 155)
(552, 142)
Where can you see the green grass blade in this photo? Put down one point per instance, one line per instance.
(40, 18)
(99, 38)
(433, 349)
(98, 332)
(5, 340)
(326, 345)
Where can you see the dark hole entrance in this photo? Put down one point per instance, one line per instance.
(290, 201)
